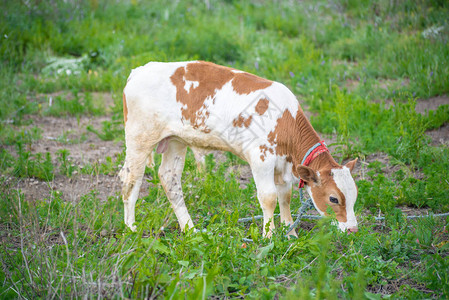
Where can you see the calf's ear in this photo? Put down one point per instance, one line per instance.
(307, 174)
(350, 165)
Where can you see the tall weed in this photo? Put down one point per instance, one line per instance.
(412, 128)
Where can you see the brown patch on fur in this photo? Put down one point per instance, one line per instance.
(262, 106)
(245, 83)
(125, 109)
(307, 174)
(126, 190)
(279, 180)
(263, 151)
(268, 202)
(242, 122)
(210, 78)
(293, 137)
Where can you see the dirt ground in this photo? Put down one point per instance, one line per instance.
(425, 105)
(439, 136)
(58, 133)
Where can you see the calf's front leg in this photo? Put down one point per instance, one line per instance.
(284, 193)
(266, 193)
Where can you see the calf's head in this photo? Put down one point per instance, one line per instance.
(333, 187)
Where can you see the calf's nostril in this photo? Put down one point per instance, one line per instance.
(353, 229)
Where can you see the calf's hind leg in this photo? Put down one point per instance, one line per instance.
(170, 173)
(131, 176)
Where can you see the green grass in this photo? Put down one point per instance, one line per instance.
(344, 59)
(62, 106)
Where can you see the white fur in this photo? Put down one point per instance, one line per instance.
(190, 84)
(346, 184)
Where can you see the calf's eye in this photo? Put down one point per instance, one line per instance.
(333, 200)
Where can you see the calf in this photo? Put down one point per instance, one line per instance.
(207, 106)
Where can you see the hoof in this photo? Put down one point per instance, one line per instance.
(292, 234)
(132, 227)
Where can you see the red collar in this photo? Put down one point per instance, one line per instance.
(313, 153)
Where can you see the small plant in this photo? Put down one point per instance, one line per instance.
(110, 130)
(109, 167)
(9, 136)
(28, 165)
(73, 107)
(343, 111)
(66, 167)
(412, 128)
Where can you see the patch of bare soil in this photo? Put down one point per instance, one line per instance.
(71, 134)
(385, 84)
(439, 136)
(388, 84)
(425, 105)
(413, 211)
(388, 168)
(351, 84)
(85, 147)
(394, 286)
(71, 189)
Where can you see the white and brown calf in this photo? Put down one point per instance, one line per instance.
(207, 106)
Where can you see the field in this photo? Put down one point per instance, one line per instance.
(373, 77)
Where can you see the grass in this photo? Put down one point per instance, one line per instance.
(359, 66)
